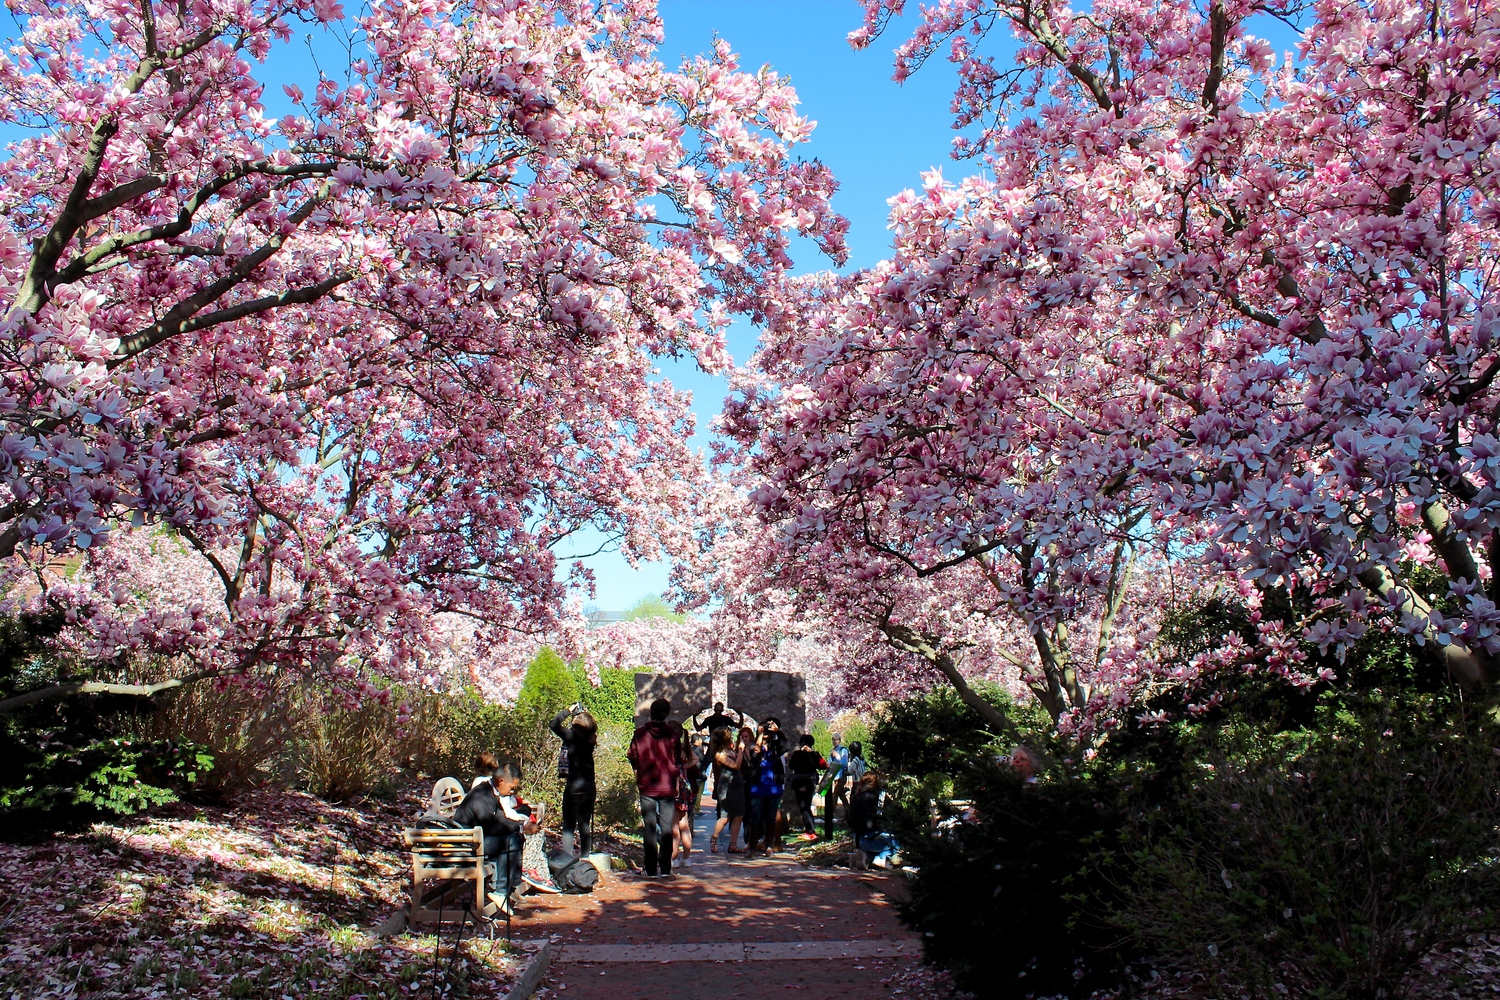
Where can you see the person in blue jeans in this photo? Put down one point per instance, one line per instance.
(656, 755)
(766, 783)
(835, 784)
(865, 823)
(503, 826)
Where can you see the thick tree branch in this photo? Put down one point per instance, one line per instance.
(910, 641)
(1459, 661)
(35, 284)
(68, 689)
(89, 261)
(165, 330)
(1121, 567)
(1454, 550)
(1219, 29)
(1044, 32)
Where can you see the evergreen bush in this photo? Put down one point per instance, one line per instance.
(72, 761)
(1328, 867)
(1287, 841)
(547, 688)
(613, 699)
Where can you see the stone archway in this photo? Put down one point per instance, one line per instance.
(756, 693)
(686, 692)
(763, 693)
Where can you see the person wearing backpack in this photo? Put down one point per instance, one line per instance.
(858, 766)
(579, 733)
(656, 755)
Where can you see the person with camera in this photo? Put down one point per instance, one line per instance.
(766, 783)
(579, 733)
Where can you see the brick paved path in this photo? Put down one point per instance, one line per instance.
(725, 927)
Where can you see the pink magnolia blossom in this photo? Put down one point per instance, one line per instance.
(381, 360)
(1206, 303)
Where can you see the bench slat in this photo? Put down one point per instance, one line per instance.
(440, 836)
(446, 865)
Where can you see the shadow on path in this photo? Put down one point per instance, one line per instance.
(724, 927)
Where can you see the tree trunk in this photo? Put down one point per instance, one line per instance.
(909, 641)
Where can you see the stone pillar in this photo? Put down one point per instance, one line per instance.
(688, 693)
(759, 693)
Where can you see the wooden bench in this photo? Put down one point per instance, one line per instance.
(447, 875)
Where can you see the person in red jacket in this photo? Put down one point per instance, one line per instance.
(656, 754)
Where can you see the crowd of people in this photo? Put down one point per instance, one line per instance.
(762, 784)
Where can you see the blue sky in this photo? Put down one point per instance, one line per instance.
(876, 136)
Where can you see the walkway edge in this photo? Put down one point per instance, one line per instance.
(533, 974)
(734, 951)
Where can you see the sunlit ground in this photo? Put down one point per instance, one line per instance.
(272, 897)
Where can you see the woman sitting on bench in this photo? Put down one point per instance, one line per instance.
(494, 807)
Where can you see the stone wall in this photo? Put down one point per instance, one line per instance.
(760, 693)
(688, 693)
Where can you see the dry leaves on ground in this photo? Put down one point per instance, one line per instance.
(273, 896)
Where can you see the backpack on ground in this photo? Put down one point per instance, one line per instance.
(578, 874)
(573, 874)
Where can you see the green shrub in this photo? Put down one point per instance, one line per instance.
(617, 802)
(1318, 842)
(76, 760)
(652, 606)
(849, 725)
(68, 786)
(456, 728)
(72, 761)
(613, 699)
(1330, 868)
(997, 902)
(547, 688)
(935, 733)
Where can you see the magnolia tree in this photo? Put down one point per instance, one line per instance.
(382, 359)
(1081, 647)
(1207, 301)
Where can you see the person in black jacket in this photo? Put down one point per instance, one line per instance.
(803, 765)
(580, 734)
(717, 721)
(494, 808)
